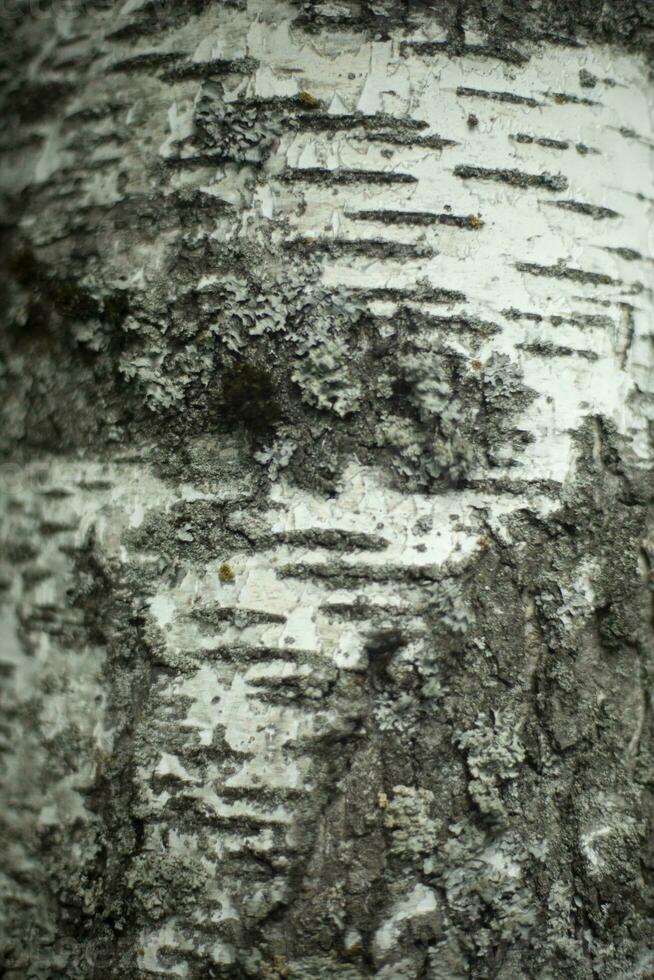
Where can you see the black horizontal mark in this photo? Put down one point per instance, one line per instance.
(419, 320)
(417, 218)
(78, 61)
(332, 538)
(95, 485)
(629, 254)
(286, 690)
(575, 319)
(424, 294)
(203, 815)
(513, 314)
(377, 248)
(234, 615)
(594, 211)
(314, 22)
(565, 272)
(375, 122)
(349, 571)
(500, 53)
(509, 97)
(584, 320)
(349, 611)
(209, 69)
(631, 134)
(237, 652)
(262, 793)
(552, 182)
(302, 104)
(148, 61)
(475, 324)
(101, 164)
(321, 175)
(564, 98)
(93, 113)
(201, 160)
(584, 150)
(547, 349)
(132, 30)
(377, 127)
(540, 141)
(406, 139)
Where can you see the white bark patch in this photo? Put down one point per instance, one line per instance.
(570, 338)
(419, 903)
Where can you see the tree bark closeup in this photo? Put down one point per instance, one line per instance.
(327, 373)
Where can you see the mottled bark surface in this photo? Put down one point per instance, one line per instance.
(327, 381)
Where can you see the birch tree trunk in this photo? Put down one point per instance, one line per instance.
(328, 396)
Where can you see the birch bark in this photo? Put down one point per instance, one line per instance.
(328, 400)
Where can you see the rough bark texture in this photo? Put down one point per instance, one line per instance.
(326, 361)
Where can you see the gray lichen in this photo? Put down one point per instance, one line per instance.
(324, 378)
(407, 816)
(493, 756)
(461, 411)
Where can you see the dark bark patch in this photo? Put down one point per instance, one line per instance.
(249, 398)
